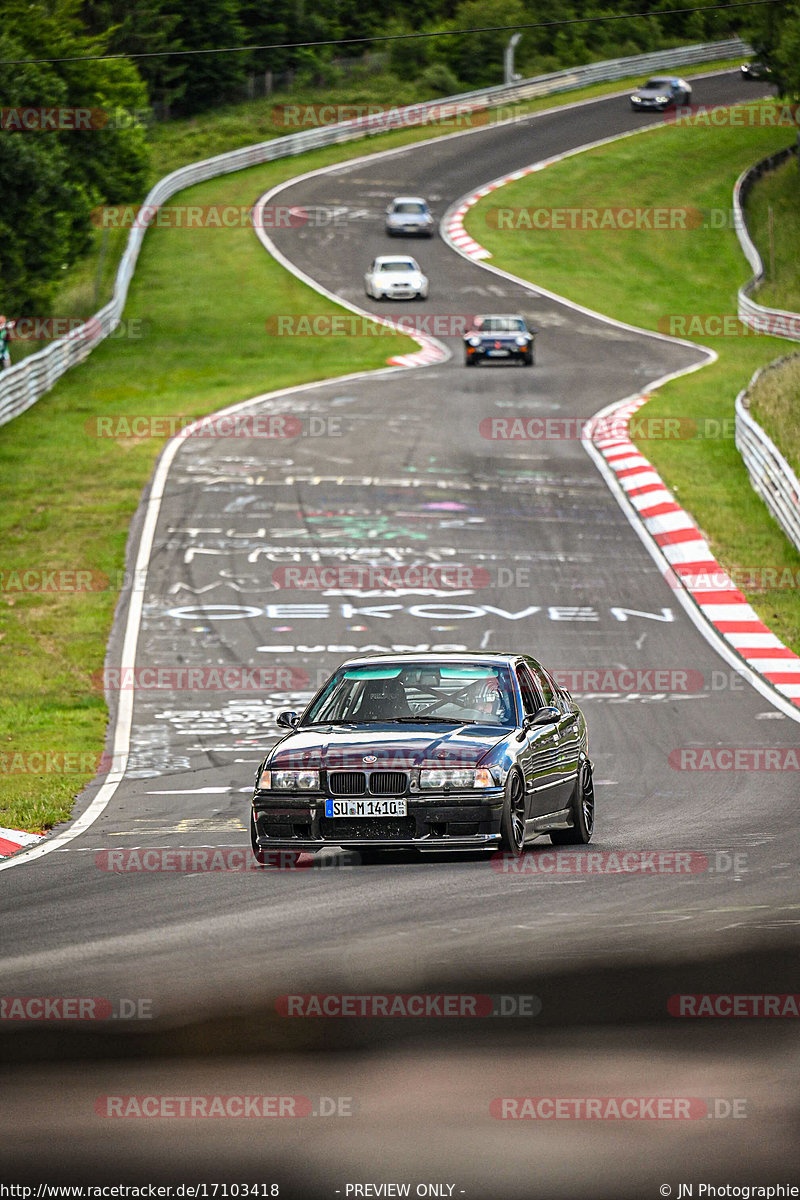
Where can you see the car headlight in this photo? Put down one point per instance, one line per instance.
(289, 781)
(662, 99)
(636, 99)
(459, 779)
(522, 341)
(474, 341)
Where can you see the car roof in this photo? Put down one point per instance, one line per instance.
(498, 317)
(382, 258)
(408, 200)
(475, 656)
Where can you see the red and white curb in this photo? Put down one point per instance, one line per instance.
(14, 840)
(457, 234)
(692, 566)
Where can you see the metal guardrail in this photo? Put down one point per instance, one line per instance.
(23, 384)
(775, 321)
(770, 474)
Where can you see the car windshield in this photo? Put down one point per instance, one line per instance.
(399, 264)
(657, 84)
(410, 206)
(501, 325)
(440, 692)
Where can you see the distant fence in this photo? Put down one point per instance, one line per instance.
(23, 384)
(770, 473)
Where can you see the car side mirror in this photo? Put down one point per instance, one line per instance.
(288, 719)
(546, 716)
(527, 721)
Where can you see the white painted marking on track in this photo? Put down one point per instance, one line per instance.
(203, 791)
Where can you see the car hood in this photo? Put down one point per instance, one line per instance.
(396, 747)
(651, 93)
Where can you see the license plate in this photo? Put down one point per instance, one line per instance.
(365, 808)
(497, 353)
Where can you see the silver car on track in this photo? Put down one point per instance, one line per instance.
(409, 216)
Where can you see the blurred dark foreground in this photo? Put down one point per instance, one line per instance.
(419, 1101)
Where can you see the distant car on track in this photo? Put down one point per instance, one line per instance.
(660, 92)
(409, 215)
(503, 336)
(756, 70)
(396, 277)
(430, 752)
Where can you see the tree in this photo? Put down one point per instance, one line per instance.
(210, 80)
(149, 27)
(774, 33)
(52, 178)
(477, 58)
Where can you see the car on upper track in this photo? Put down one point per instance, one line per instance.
(409, 215)
(504, 336)
(660, 92)
(756, 70)
(396, 277)
(433, 752)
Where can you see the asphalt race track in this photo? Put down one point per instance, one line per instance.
(395, 471)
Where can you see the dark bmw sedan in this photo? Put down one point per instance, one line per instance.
(428, 752)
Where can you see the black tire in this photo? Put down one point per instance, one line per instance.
(469, 361)
(512, 819)
(258, 853)
(582, 811)
(527, 360)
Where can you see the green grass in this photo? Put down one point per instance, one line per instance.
(775, 403)
(780, 191)
(645, 276)
(69, 496)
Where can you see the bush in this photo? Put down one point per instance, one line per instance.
(439, 80)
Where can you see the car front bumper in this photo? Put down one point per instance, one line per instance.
(410, 230)
(439, 822)
(503, 355)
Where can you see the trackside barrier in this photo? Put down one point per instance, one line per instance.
(770, 473)
(22, 385)
(757, 316)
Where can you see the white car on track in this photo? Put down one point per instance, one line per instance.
(396, 277)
